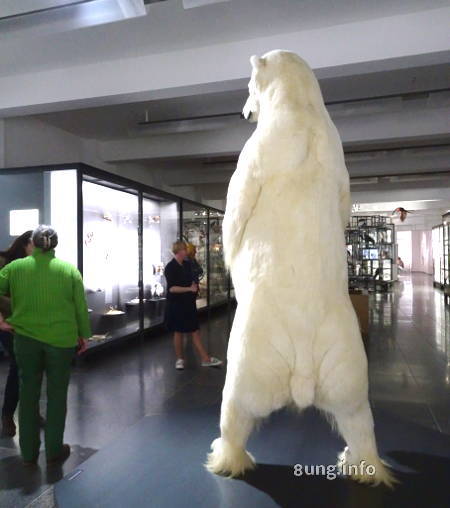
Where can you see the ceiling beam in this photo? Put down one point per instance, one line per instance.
(363, 130)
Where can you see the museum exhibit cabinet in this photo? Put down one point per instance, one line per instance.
(219, 281)
(161, 224)
(371, 251)
(119, 233)
(195, 232)
(441, 255)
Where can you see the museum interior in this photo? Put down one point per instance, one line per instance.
(121, 127)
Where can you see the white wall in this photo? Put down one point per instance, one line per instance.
(422, 254)
(29, 141)
(2, 143)
(415, 249)
(404, 246)
(26, 142)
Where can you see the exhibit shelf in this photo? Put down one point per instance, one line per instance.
(371, 252)
(119, 233)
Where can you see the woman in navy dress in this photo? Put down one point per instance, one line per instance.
(181, 309)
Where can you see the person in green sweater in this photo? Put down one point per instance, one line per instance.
(49, 319)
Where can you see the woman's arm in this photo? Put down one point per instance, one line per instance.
(4, 281)
(173, 282)
(5, 306)
(4, 325)
(180, 289)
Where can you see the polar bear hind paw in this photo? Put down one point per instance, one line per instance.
(373, 472)
(228, 460)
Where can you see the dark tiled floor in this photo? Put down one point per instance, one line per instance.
(408, 349)
(409, 353)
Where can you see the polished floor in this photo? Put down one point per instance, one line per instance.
(132, 396)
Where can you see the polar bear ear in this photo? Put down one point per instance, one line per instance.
(256, 62)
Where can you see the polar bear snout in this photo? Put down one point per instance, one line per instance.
(251, 109)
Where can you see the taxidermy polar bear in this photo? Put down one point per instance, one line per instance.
(295, 337)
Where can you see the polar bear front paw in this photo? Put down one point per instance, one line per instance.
(228, 460)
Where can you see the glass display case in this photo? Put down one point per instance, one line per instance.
(111, 260)
(120, 234)
(29, 198)
(371, 250)
(218, 274)
(196, 233)
(160, 231)
(441, 255)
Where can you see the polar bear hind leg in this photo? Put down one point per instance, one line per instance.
(257, 384)
(360, 460)
(228, 456)
(342, 393)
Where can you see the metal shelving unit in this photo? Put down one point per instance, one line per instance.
(371, 252)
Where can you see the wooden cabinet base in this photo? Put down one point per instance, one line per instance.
(361, 305)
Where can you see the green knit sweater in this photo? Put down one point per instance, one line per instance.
(47, 299)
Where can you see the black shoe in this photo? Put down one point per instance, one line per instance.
(8, 426)
(64, 455)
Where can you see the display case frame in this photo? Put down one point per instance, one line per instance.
(87, 173)
(441, 256)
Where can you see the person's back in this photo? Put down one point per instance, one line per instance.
(45, 295)
(49, 317)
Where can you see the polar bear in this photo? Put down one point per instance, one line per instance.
(295, 337)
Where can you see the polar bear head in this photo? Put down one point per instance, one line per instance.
(281, 76)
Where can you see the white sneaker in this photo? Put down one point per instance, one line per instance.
(213, 362)
(179, 364)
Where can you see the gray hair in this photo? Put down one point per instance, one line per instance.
(45, 238)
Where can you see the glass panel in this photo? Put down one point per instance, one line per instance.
(218, 277)
(447, 254)
(63, 213)
(195, 225)
(436, 256)
(160, 230)
(44, 197)
(111, 261)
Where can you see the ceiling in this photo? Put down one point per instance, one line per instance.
(366, 94)
(169, 27)
(391, 108)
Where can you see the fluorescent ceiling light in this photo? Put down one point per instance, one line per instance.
(43, 17)
(389, 207)
(189, 4)
(191, 124)
(10, 8)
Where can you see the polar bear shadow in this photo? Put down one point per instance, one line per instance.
(426, 486)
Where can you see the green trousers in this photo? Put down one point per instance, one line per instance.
(33, 359)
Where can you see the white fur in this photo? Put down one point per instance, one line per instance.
(295, 337)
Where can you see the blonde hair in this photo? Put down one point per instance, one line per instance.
(177, 246)
(191, 250)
